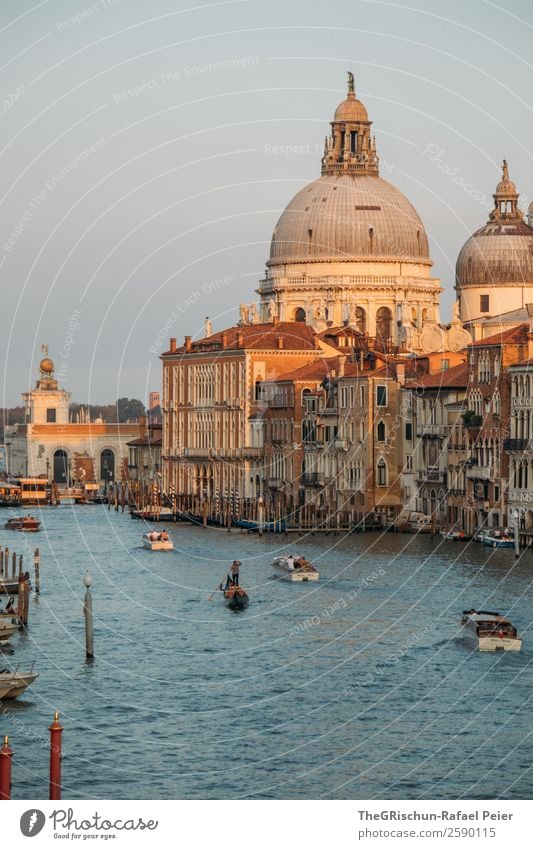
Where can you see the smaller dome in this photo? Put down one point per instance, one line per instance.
(46, 366)
(351, 110)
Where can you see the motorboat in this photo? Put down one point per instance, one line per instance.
(7, 629)
(413, 522)
(455, 536)
(236, 598)
(8, 586)
(27, 524)
(153, 541)
(153, 514)
(498, 539)
(491, 631)
(296, 569)
(12, 684)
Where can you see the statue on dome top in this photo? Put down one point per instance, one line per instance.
(351, 83)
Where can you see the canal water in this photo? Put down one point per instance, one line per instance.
(360, 686)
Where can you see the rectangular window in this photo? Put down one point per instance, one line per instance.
(381, 396)
(409, 431)
(444, 364)
(496, 492)
(409, 462)
(51, 415)
(362, 396)
(483, 303)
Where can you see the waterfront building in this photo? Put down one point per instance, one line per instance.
(144, 461)
(519, 445)
(494, 271)
(436, 407)
(50, 446)
(487, 423)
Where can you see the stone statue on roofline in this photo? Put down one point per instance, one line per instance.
(208, 327)
(244, 310)
(272, 310)
(254, 315)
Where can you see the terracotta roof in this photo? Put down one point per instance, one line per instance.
(295, 335)
(450, 378)
(516, 335)
(146, 440)
(316, 370)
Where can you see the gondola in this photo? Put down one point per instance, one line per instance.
(236, 598)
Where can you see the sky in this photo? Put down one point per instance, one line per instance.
(148, 149)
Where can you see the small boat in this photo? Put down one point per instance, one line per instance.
(12, 684)
(7, 629)
(455, 536)
(9, 586)
(296, 569)
(26, 524)
(153, 514)
(10, 495)
(236, 598)
(491, 631)
(153, 541)
(497, 539)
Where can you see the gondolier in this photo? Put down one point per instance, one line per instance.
(233, 575)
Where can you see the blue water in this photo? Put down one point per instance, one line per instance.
(359, 686)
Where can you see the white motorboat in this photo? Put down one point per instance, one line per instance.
(491, 631)
(12, 684)
(7, 629)
(153, 541)
(296, 569)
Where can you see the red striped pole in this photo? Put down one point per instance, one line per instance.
(55, 730)
(6, 756)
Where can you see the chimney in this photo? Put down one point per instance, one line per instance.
(142, 425)
(529, 308)
(224, 340)
(400, 373)
(188, 344)
(280, 342)
(342, 363)
(172, 345)
(240, 339)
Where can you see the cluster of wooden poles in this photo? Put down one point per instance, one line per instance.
(22, 587)
(6, 760)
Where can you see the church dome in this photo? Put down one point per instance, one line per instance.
(351, 110)
(346, 216)
(500, 252)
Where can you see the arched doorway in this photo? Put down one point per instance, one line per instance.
(383, 324)
(107, 465)
(61, 466)
(299, 314)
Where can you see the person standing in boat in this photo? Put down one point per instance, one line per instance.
(233, 575)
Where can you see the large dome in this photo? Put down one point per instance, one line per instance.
(497, 253)
(346, 217)
(502, 251)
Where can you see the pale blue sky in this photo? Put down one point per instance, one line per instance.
(167, 216)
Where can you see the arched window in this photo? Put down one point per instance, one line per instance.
(258, 384)
(381, 431)
(360, 320)
(61, 467)
(384, 323)
(107, 465)
(382, 473)
(299, 314)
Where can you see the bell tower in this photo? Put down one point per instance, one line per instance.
(350, 148)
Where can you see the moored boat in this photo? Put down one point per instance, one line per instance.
(236, 598)
(455, 536)
(10, 495)
(153, 541)
(26, 524)
(7, 629)
(9, 586)
(491, 631)
(497, 539)
(296, 569)
(12, 684)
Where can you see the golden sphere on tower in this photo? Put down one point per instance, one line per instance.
(46, 366)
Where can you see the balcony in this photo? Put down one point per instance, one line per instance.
(517, 444)
(481, 473)
(341, 444)
(313, 479)
(522, 496)
(457, 493)
(225, 453)
(432, 476)
(276, 483)
(433, 430)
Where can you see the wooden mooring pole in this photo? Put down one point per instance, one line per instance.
(6, 757)
(88, 612)
(37, 566)
(55, 729)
